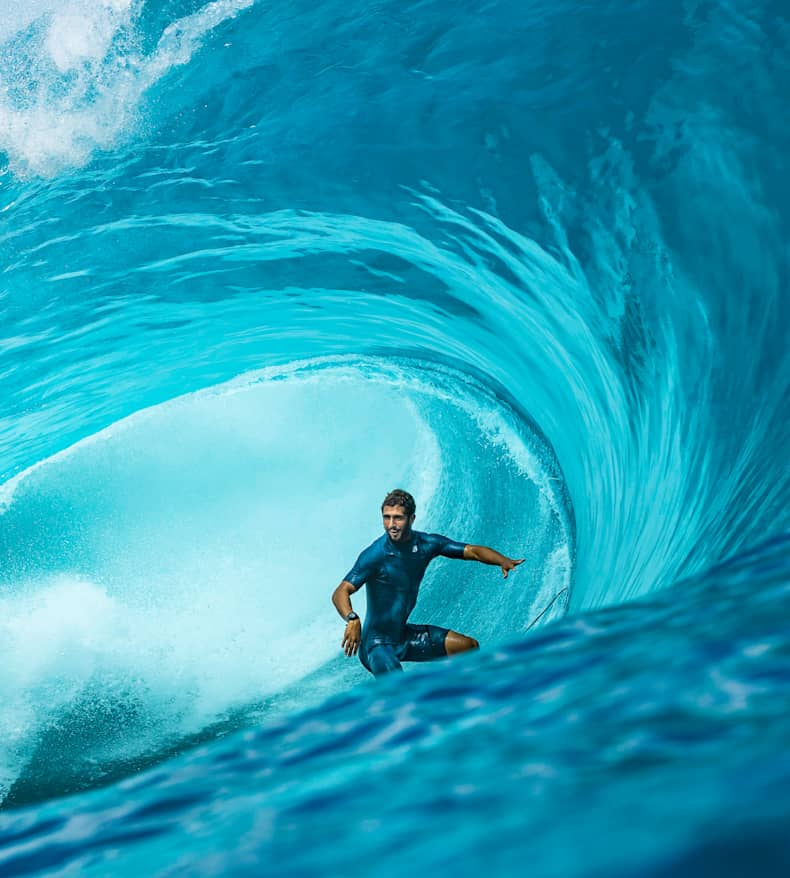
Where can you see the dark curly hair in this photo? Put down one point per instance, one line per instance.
(400, 498)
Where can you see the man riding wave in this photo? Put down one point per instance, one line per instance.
(392, 568)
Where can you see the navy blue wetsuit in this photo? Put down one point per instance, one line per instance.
(393, 573)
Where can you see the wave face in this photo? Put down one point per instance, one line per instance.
(262, 264)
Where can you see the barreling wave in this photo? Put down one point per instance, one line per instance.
(262, 264)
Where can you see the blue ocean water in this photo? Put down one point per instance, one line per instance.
(261, 263)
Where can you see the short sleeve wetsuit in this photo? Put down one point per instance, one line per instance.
(393, 573)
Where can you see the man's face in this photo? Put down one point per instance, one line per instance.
(396, 523)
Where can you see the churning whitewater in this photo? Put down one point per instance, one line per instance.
(261, 264)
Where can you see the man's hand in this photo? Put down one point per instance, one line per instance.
(509, 564)
(351, 637)
(341, 598)
(486, 555)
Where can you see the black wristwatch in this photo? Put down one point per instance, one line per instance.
(351, 616)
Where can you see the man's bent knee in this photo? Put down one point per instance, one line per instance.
(455, 643)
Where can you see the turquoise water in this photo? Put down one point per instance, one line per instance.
(262, 263)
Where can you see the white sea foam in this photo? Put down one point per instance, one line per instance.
(86, 77)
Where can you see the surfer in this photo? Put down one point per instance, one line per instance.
(393, 567)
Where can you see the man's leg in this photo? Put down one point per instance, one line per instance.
(428, 642)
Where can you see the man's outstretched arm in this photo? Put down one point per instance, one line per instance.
(490, 556)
